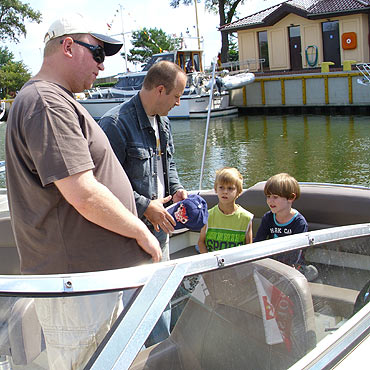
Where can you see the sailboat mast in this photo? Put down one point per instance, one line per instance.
(196, 19)
(123, 36)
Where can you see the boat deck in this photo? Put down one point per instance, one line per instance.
(218, 315)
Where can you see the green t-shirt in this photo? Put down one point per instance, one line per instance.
(227, 231)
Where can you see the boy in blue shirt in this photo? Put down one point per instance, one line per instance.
(281, 191)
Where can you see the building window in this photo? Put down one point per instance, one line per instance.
(330, 26)
(263, 48)
(294, 31)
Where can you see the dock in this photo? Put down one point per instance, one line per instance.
(343, 92)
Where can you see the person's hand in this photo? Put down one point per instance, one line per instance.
(158, 216)
(181, 194)
(150, 244)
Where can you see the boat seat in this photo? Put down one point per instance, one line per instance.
(226, 329)
(340, 300)
(319, 204)
(21, 335)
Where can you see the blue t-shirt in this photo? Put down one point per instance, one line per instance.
(270, 228)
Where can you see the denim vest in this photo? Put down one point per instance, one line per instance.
(133, 140)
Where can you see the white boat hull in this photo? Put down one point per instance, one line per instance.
(98, 107)
(191, 106)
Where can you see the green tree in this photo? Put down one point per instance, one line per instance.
(147, 42)
(233, 49)
(226, 10)
(13, 13)
(5, 56)
(13, 75)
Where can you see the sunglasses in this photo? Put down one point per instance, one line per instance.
(97, 51)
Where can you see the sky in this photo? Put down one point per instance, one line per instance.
(124, 17)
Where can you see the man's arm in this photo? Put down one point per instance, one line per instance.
(117, 139)
(173, 177)
(98, 204)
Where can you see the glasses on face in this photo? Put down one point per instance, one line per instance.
(97, 51)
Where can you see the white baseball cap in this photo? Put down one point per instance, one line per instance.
(75, 23)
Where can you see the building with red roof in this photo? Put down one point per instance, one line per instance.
(302, 34)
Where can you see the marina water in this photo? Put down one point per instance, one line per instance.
(312, 148)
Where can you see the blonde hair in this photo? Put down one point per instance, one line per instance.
(229, 175)
(282, 185)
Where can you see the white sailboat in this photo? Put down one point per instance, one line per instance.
(193, 103)
(195, 100)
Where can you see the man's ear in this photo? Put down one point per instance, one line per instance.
(161, 89)
(67, 46)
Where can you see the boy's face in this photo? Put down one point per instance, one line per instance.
(227, 193)
(279, 204)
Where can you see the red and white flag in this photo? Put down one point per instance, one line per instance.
(277, 311)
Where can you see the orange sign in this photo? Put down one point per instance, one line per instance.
(349, 40)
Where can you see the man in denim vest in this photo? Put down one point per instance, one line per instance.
(140, 135)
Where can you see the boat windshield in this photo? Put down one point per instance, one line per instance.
(158, 57)
(229, 309)
(130, 82)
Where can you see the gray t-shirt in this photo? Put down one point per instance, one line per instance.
(50, 136)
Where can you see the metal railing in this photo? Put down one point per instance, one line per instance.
(244, 65)
(364, 68)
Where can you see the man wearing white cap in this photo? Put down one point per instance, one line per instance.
(71, 203)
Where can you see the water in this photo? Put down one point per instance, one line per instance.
(311, 148)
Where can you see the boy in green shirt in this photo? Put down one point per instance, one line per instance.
(229, 225)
